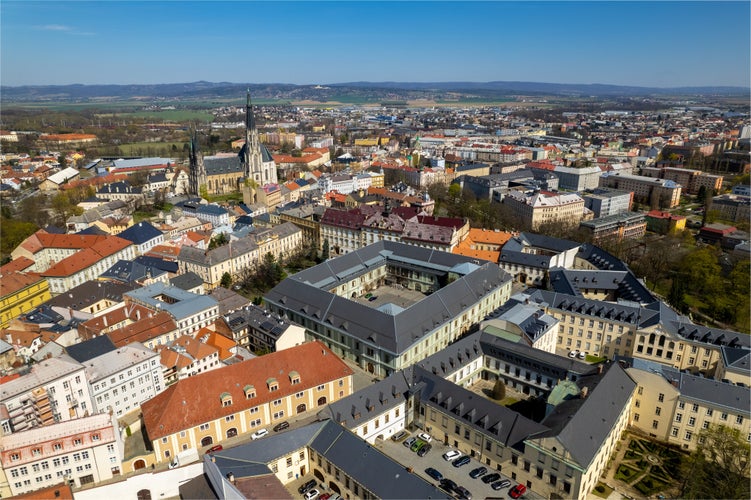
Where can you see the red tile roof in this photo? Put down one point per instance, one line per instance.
(196, 400)
(144, 330)
(106, 246)
(13, 282)
(18, 264)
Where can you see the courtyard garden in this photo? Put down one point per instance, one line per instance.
(649, 467)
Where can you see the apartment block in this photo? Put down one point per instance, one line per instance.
(80, 452)
(54, 390)
(658, 193)
(603, 202)
(545, 207)
(630, 225)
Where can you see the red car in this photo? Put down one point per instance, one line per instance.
(214, 449)
(517, 491)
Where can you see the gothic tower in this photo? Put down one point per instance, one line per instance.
(197, 171)
(259, 166)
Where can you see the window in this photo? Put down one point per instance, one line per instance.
(678, 417)
(739, 419)
(321, 387)
(276, 402)
(695, 408)
(14, 457)
(723, 416)
(681, 405)
(636, 417)
(57, 447)
(658, 410)
(229, 418)
(691, 421)
(655, 423)
(709, 412)
(95, 437)
(299, 395)
(688, 435)
(204, 427)
(660, 397)
(77, 442)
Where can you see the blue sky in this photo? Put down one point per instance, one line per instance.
(662, 44)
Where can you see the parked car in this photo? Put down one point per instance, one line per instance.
(448, 485)
(517, 491)
(399, 436)
(310, 495)
(305, 487)
(573, 354)
(450, 455)
(281, 426)
(430, 471)
(425, 437)
(371, 299)
(325, 496)
(424, 449)
(582, 355)
(504, 483)
(463, 460)
(491, 477)
(259, 434)
(463, 493)
(409, 442)
(475, 473)
(417, 444)
(215, 448)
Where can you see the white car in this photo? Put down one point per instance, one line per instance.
(450, 455)
(573, 354)
(425, 437)
(310, 495)
(259, 434)
(582, 355)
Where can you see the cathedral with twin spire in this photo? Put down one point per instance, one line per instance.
(251, 169)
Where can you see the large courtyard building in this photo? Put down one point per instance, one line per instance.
(390, 305)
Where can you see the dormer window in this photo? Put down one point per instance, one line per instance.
(226, 399)
(272, 384)
(294, 377)
(250, 391)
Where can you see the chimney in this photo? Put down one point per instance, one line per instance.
(231, 477)
(599, 369)
(138, 314)
(104, 320)
(584, 392)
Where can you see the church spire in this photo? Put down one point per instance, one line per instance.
(250, 121)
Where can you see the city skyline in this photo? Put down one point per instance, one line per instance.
(651, 44)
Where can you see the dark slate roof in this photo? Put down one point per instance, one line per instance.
(543, 361)
(503, 424)
(228, 300)
(374, 470)
(623, 282)
(600, 258)
(186, 281)
(704, 334)
(140, 233)
(43, 314)
(370, 401)
(454, 356)
(157, 263)
(512, 252)
(90, 349)
(93, 230)
(736, 360)
(715, 392)
(211, 210)
(217, 165)
(307, 293)
(130, 271)
(253, 316)
(90, 292)
(582, 425)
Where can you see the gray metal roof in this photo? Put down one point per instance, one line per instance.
(303, 294)
(736, 360)
(713, 392)
(140, 233)
(582, 425)
(370, 467)
(503, 424)
(369, 401)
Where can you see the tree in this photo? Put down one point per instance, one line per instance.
(719, 468)
(226, 280)
(325, 250)
(218, 240)
(454, 193)
(499, 390)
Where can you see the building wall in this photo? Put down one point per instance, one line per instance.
(89, 455)
(248, 421)
(22, 301)
(125, 390)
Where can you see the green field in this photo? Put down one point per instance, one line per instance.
(151, 148)
(172, 115)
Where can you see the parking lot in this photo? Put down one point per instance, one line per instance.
(434, 459)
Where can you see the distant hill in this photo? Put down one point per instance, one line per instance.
(351, 92)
